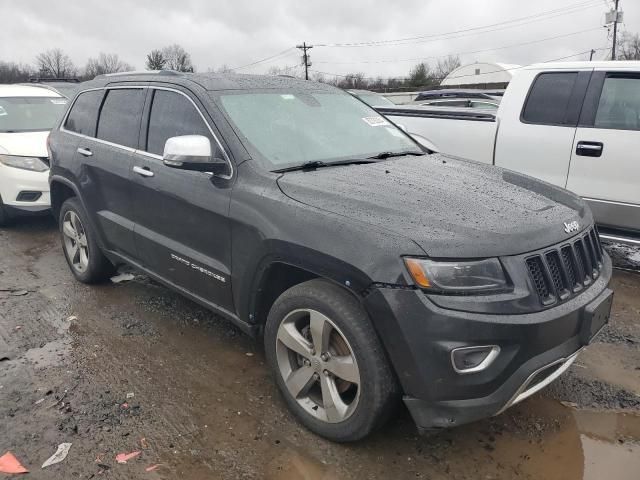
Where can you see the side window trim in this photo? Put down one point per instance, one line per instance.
(202, 117)
(140, 150)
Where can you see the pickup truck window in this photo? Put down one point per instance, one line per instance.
(548, 99)
(84, 113)
(291, 128)
(172, 115)
(120, 117)
(619, 106)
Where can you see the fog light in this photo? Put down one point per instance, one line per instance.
(26, 196)
(473, 359)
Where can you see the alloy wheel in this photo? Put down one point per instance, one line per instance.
(75, 241)
(318, 365)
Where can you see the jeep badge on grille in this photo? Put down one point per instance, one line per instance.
(571, 226)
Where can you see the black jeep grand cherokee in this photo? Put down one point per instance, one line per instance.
(373, 270)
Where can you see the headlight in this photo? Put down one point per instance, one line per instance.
(25, 163)
(477, 276)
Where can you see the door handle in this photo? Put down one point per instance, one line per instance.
(589, 149)
(144, 171)
(85, 151)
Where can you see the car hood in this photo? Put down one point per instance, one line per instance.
(451, 208)
(27, 144)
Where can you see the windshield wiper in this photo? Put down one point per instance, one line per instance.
(320, 164)
(383, 155)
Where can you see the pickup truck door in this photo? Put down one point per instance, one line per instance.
(536, 139)
(605, 168)
(182, 230)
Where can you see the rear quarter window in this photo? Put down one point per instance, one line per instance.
(548, 100)
(120, 115)
(84, 113)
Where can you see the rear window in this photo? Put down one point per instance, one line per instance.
(548, 100)
(84, 113)
(120, 117)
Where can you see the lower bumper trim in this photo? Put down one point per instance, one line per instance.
(533, 384)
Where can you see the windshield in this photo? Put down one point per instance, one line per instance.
(30, 114)
(375, 100)
(288, 129)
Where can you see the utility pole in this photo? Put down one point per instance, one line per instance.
(591, 56)
(615, 31)
(306, 58)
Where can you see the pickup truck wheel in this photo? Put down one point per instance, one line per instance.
(87, 262)
(328, 361)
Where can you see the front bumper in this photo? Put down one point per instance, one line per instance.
(535, 349)
(15, 181)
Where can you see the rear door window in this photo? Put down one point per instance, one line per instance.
(619, 105)
(120, 115)
(84, 113)
(173, 115)
(548, 100)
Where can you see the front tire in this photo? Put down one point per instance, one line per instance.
(86, 261)
(328, 362)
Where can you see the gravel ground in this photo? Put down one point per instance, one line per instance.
(135, 367)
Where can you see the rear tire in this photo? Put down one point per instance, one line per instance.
(86, 261)
(345, 390)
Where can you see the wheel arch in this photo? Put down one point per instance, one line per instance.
(274, 276)
(61, 189)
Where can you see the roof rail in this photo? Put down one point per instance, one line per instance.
(141, 72)
(53, 79)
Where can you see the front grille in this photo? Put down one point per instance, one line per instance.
(560, 272)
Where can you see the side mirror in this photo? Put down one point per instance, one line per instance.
(192, 152)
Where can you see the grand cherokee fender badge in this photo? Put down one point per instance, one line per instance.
(571, 226)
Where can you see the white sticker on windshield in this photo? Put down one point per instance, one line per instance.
(287, 96)
(59, 101)
(375, 121)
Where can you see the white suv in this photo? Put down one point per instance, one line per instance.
(27, 114)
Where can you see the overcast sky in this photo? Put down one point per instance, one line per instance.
(239, 32)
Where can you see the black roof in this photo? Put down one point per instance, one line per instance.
(211, 81)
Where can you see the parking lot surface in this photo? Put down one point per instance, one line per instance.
(127, 367)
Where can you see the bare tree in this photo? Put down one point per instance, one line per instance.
(13, 72)
(155, 60)
(55, 63)
(628, 47)
(447, 65)
(105, 63)
(177, 58)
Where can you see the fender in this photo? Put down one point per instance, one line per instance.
(250, 284)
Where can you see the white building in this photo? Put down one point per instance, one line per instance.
(480, 73)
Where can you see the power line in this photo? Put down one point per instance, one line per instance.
(473, 74)
(463, 53)
(266, 59)
(466, 32)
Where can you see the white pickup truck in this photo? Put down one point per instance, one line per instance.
(576, 125)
